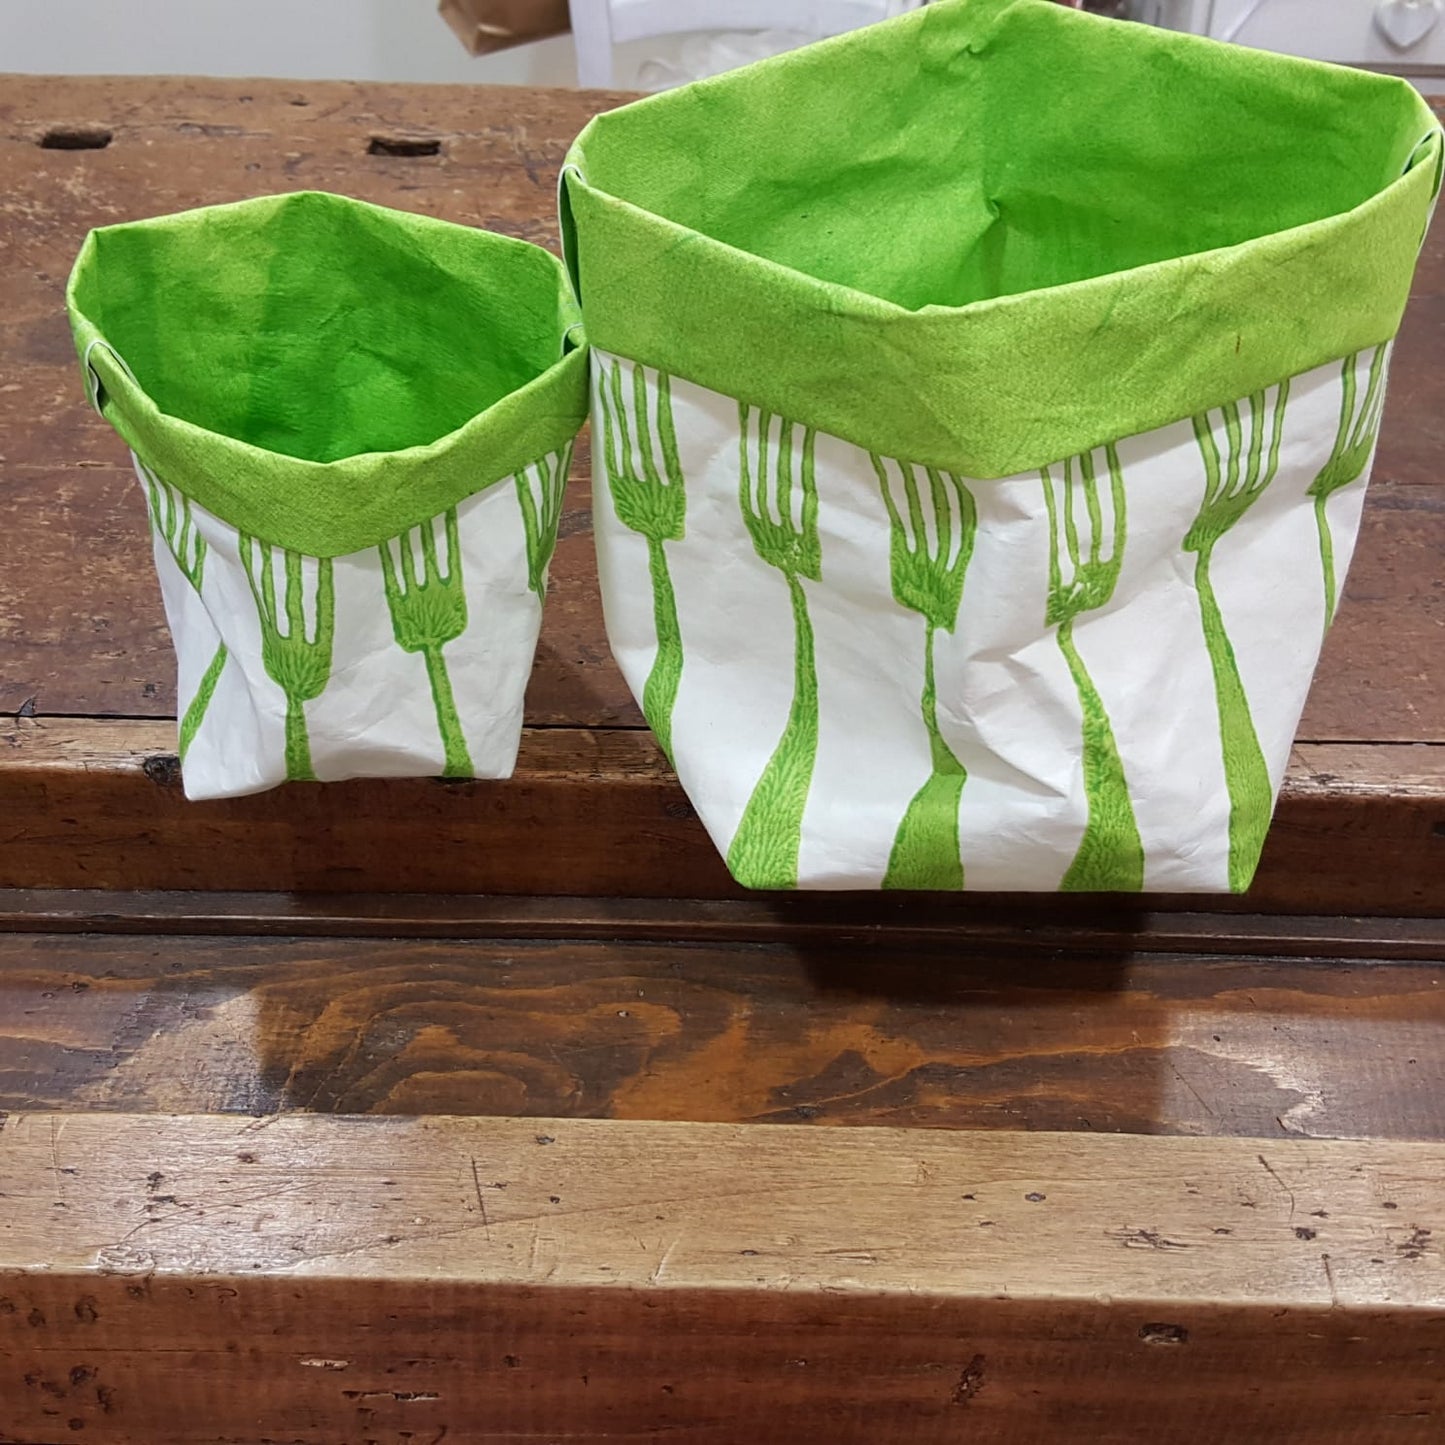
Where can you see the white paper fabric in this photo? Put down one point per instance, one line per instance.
(1007, 707)
(448, 703)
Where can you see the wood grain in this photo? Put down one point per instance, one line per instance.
(497, 1281)
(953, 924)
(87, 804)
(86, 635)
(1049, 1037)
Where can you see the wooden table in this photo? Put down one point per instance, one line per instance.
(436, 1111)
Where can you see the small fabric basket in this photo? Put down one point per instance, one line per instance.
(352, 428)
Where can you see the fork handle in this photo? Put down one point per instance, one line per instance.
(195, 714)
(298, 743)
(926, 849)
(1111, 855)
(660, 693)
(764, 851)
(1327, 557)
(1251, 797)
(458, 761)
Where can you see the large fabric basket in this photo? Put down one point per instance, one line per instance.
(983, 405)
(352, 429)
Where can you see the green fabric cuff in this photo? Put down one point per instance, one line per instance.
(913, 238)
(322, 373)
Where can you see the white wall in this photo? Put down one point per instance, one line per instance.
(287, 39)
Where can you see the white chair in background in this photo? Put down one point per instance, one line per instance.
(598, 25)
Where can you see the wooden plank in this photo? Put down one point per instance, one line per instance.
(88, 636)
(989, 1037)
(500, 1280)
(938, 923)
(98, 805)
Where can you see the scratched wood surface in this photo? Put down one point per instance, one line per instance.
(85, 634)
(506, 1280)
(1089, 1035)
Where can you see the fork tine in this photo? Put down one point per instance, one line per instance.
(768, 508)
(1374, 398)
(1234, 443)
(1347, 404)
(1209, 450)
(745, 480)
(170, 500)
(1257, 405)
(1071, 526)
(1047, 478)
(268, 581)
(942, 519)
(153, 504)
(666, 435)
(609, 424)
(295, 596)
(564, 470)
(1372, 430)
(919, 538)
(408, 562)
(810, 485)
(967, 519)
(454, 546)
(325, 605)
(1091, 502)
(430, 571)
(928, 503)
(624, 438)
(1119, 527)
(183, 536)
(532, 526)
(885, 485)
(388, 572)
(783, 475)
(1281, 396)
(644, 428)
(195, 549)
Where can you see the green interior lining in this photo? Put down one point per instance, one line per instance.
(995, 149)
(994, 233)
(318, 327)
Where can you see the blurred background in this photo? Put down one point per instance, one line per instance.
(624, 43)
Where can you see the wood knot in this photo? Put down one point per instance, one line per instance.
(402, 145)
(1164, 1334)
(970, 1381)
(163, 769)
(76, 138)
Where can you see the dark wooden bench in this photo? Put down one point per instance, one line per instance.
(491, 1112)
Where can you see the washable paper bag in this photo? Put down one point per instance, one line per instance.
(351, 427)
(983, 404)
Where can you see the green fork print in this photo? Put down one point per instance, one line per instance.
(1110, 854)
(1229, 493)
(539, 495)
(781, 514)
(299, 666)
(426, 614)
(928, 557)
(1354, 441)
(176, 527)
(654, 506)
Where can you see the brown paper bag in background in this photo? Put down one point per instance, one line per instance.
(484, 26)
